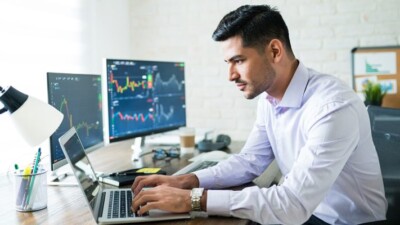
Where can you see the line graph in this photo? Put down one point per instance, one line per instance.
(138, 117)
(87, 126)
(144, 97)
(146, 82)
(79, 98)
(162, 115)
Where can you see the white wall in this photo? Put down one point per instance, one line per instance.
(54, 36)
(73, 36)
(322, 34)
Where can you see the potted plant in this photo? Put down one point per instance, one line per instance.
(373, 93)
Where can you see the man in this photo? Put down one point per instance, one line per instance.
(313, 124)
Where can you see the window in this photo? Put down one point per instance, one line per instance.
(37, 37)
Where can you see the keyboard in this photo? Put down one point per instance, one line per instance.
(120, 204)
(203, 165)
(196, 165)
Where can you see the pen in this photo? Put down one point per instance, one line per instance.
(24, 186)
(34, 171)
(127, 174)
(136, 172)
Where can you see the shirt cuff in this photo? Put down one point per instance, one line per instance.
(206, 178)
(218, 202)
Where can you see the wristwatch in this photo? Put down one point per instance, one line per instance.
(195, 197)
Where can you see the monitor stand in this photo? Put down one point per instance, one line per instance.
(62, 177)
(137, 148)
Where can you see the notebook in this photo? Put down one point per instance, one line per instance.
(108, 206)
(127, 177)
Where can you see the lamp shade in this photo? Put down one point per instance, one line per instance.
(34, 119)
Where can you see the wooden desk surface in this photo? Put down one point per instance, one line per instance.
(66, 205)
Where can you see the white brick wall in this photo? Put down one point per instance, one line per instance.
(322, 33)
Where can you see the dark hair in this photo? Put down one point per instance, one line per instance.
(256, 24)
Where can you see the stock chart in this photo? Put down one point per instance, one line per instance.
(144, 96)
(79, 98)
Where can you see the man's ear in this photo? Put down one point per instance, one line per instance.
(276, 50)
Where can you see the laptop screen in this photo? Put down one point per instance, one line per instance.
(75, 154)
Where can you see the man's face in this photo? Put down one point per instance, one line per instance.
(248, 68)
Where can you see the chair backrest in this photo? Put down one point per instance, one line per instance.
(385, 127)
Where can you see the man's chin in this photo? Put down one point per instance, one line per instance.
(249, 96)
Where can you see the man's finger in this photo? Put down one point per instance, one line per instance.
(143, 198)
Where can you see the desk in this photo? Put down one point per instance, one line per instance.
(66, 205)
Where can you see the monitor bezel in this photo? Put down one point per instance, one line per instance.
(104, 80)
(61, 163)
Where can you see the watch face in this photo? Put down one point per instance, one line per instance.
(197, 191)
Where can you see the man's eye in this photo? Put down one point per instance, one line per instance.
(238, 61)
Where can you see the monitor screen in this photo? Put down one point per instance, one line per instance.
(143, 97)
(79, 98)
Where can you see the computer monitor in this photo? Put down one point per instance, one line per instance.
(79, 98)
(142, 98)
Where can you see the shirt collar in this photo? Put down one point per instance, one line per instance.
(294, 92)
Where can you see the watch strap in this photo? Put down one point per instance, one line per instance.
(195, 195)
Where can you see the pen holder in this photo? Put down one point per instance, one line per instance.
(30, 190)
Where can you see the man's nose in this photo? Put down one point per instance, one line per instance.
(233, 75)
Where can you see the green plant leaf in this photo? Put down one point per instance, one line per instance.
(373, 93)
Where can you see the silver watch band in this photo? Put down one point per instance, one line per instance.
(195, 198)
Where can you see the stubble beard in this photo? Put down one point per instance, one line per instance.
(250, 95)
(255, 91)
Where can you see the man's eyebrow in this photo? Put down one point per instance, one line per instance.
(236, 57)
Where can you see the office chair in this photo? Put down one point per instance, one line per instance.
(385, 128)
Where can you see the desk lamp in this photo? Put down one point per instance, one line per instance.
(34, 119)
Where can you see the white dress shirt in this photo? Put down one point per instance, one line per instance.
(320, 136)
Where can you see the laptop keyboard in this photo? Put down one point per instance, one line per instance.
(120, 204)
(120, 200)
(203, 165)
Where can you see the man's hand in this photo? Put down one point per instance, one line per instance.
(186, 181)
(162, 197)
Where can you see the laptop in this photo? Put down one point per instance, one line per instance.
(108, 206)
